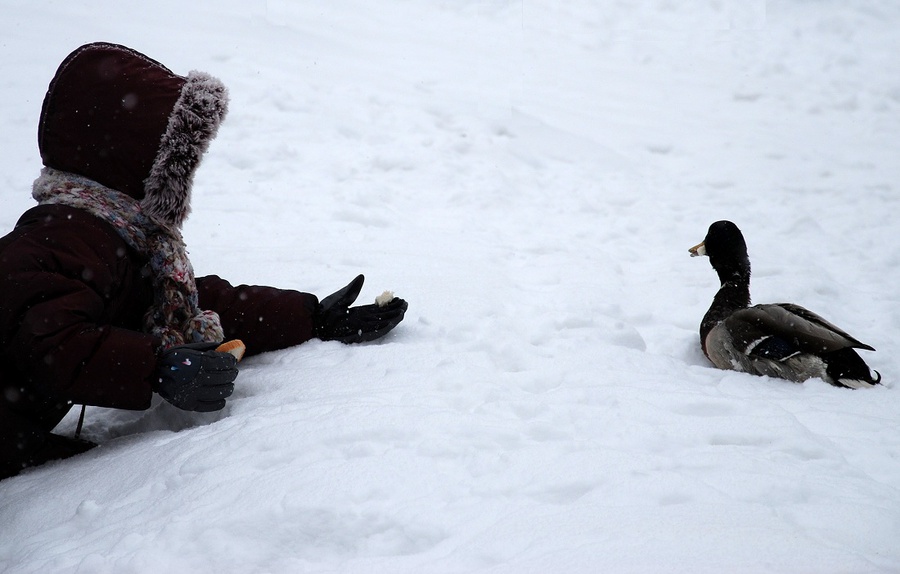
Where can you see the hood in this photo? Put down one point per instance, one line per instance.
(124, 120)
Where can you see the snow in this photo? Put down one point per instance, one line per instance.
(529, 176)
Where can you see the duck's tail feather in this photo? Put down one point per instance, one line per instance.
(845, 368)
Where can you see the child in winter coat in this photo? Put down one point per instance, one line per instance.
(98, 301)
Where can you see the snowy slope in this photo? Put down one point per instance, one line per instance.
(529, 176)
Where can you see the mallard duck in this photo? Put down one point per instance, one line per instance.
(779, 340)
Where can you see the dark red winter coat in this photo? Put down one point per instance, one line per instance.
(72, 291)
(72, 300)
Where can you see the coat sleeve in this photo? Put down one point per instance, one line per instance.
(63, 348)
(60, 332)
(264, 318)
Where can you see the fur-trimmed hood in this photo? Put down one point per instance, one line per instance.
(124, 120)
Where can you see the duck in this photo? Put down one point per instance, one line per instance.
(780, 340)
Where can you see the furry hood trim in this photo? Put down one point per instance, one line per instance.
(193, 124)
(124, 120)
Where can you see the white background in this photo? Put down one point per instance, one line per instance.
(529, 176)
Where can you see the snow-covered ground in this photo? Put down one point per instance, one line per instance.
(529, 176)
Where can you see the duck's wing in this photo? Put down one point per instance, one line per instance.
(819, 327)
(752, 334)
(780, 331)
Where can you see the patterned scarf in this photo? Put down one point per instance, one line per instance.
(175, 316)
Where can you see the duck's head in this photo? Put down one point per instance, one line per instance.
(727, 251)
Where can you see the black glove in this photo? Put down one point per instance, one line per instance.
(335, 320)
(196, 377)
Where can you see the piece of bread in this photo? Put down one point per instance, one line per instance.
(384, 298)
(236, 347)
